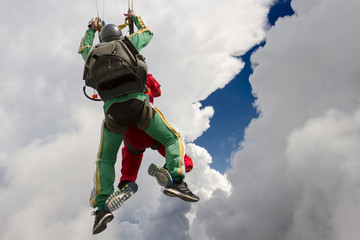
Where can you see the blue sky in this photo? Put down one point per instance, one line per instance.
(233, 105)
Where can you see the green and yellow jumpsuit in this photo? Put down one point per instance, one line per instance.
(127, 110)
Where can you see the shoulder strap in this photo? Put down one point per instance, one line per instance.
(130, 46)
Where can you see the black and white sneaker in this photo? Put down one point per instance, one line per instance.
(162, 175)
(102, 217)
(180, 189)
(117, 198)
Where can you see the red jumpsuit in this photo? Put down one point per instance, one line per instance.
(136, 141)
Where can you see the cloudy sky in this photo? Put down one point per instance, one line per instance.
(295, 175)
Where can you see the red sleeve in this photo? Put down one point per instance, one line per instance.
(188, 163)
(153, 85)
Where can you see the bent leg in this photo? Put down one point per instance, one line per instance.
(187, 160)
(160, 130)
(130, 164)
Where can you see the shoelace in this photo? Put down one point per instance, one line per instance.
(183, 186)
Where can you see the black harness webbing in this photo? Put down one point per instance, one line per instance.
(132, 149)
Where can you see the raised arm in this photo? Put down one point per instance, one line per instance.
(144, 34)
(88, 40)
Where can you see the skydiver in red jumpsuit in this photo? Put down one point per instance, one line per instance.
(137, 141)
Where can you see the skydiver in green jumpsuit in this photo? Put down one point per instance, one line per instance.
(128, 110)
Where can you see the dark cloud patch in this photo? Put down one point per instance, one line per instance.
(169, 221)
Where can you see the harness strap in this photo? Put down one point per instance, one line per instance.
(146, 116)
(132, 149)
(155, 145)
(113, 126)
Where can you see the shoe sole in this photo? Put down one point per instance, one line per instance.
(102, 224)
(174, 193)
(162, 176)
(117, 198)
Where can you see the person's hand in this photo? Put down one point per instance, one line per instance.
(130, 14)
(93, 24)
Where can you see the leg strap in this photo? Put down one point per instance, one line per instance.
(113, 126)
(155, 145)
(132, 149)
(147, 115)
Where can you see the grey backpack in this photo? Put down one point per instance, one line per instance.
(115, 68)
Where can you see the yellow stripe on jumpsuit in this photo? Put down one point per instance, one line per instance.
(110, 143)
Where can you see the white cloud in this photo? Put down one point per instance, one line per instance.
(324, 164)
(275, 189)
(50, 132)
(44, 192)
(296, 174)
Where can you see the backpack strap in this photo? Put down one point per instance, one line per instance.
(130, 46)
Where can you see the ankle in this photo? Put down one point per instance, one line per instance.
(123, 183)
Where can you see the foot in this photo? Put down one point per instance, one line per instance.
(180, 189)
(117, 198)
(102, 217)
(162, 176)
(122, 184)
